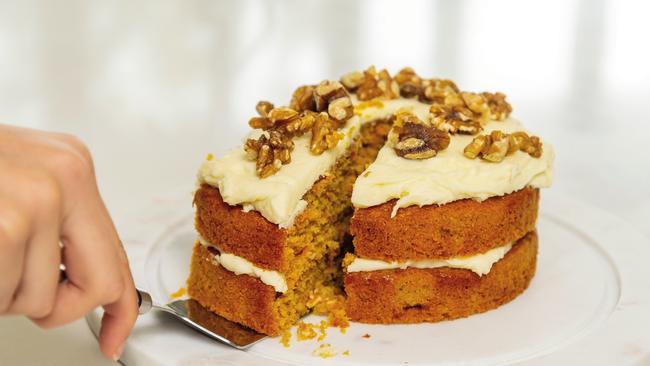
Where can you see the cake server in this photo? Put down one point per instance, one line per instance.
(194, 315)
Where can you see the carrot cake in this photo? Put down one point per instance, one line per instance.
(396, 199)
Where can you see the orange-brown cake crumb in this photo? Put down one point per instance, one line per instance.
(324, 351)
(305, 331)
(286, 338)
(178, 293)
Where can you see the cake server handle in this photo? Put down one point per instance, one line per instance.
(145, 303)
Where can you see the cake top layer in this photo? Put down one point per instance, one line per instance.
(450, 176)
(445, 145)
(277, 197)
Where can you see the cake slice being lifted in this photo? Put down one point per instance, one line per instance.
(444, 215)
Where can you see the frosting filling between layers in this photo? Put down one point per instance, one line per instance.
(447, 177)
(239, 265)
(481, 264)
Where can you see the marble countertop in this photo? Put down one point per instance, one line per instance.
(151, 87)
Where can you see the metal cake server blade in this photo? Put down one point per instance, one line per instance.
(195, 316)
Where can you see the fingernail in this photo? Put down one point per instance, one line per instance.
(118, 352)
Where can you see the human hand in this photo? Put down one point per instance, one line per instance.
(49, 195)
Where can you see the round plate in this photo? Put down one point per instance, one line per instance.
(589, 303)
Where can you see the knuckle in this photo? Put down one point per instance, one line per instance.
(13, 230)
(72, 164)
(48, 194)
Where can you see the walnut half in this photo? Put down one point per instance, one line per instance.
(412, 139)
(497, 145)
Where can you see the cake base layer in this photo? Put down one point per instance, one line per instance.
(456, 229)
(429, 295)
(242, 299)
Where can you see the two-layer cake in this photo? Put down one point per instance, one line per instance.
(438, 189)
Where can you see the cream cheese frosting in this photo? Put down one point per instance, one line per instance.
(481, 264)
(447, 177)
(239, 265)
(278, 197)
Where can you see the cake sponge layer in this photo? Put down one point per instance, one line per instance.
(457, 229)
(429, 295)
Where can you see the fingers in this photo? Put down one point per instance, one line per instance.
(37, 291)
(38, 286)
(94, 274)
(14, 232)
(119, 317)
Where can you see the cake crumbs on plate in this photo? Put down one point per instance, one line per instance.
(322, 327)
(346, 353)
(324, 351)
(305, 331)
(286, 338)
(365, 335)
(178, 293)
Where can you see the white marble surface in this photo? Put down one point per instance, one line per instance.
(151, 87)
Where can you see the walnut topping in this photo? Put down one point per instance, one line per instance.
(454, 119)
(303, 99)
(413, 139)
(269, 152)
(410, 84)
(324, 134)
(326, 92)
(497, 145)
(500, 109)
(299, 126)
(263, 108)
(373, 84)
(282, 115)
(341, 109)
(436, 90)
(352, 80)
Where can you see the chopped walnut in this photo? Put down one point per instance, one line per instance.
(263, 108)
(269, 152)
(352, 80)
(273, 118)
(299, 126)
(497, 145)
(303, 99)
(326, 92)
(324, 134)
(477, 146)
(282, 115)
(387, 85)
(477, 104)
(500, 109)
(413, 139)
(410, 84)
(497, 149)
(455, 119)
(377, 84)
(436, 90)
(341, 109)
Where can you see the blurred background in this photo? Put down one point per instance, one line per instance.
(153, 86)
